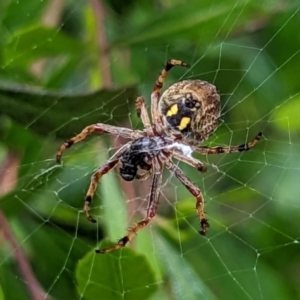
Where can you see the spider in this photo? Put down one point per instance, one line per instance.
(184, 116)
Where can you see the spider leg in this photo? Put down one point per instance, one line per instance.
(101, 128)
(157, 88)
(109, 165)
(142, 113)
(190, 161)
(151, 211)
(230, 149)
(195, 191)
(144, 176)
(169, 65)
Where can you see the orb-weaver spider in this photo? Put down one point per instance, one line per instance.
(184, 116)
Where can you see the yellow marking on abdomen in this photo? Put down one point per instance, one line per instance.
(173, 110)
(185, 121)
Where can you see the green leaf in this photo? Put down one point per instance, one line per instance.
(120, 275)
(114, 205)
(63, 114)
(22, 13)
(286, 116)
(36, 42)
(185, 283)
(11, 285)
(194, 19)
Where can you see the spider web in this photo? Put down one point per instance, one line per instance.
(250, 52)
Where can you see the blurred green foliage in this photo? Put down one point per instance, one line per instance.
(51, 86)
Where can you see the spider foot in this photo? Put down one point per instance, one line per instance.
(175, 62)
(86, 208)
(91, 219)
(202, 169)
(249, 145)
(204, 227)
(58, 158)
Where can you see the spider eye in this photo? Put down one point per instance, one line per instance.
(190, 102)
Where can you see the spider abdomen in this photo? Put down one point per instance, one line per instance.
(139, 155)
(190, 110)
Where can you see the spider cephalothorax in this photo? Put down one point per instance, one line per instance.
(183, 117)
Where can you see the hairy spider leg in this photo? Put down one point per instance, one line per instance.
(151, 210)
(162, 76)
(100, 128)
(230, 149)
(142, 113)
(195, 191)
(109, 165)
(190, 161)
(157, 88)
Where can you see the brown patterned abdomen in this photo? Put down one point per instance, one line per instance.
(190, 110)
